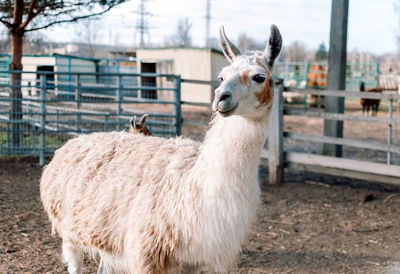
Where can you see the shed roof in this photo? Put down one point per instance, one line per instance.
(214, 50)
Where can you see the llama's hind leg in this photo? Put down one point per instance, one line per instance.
(73, 256)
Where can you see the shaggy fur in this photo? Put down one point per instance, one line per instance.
(154, 205)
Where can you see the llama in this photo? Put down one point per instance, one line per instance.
(368, 103)
(146, 204)
(139, 127)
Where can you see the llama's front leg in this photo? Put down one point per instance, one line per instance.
(102, 269)
(73, 256)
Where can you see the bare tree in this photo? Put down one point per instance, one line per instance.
(5, 41)
(247, 43)
(182, 36)
(35, 43)
(88, 33)
(296, 52)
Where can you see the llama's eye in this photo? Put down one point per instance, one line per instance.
(259, 78)
(220, 78)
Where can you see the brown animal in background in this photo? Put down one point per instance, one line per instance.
(139, 127)
(368, 103)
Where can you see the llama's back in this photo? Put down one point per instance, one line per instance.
(97, 184)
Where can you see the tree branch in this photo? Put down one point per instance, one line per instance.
(6, 23)
(18, 13)
(71, 19)
(31, 15)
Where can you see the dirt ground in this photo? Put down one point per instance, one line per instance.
(311, 224)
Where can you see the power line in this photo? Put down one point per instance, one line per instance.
(208, 19)
(142, 26)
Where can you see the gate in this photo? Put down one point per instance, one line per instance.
(58, 106)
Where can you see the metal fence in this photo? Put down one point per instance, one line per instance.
(44, 109)
(314, 75)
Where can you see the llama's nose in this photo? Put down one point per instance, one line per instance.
(222, 100)
(223, 96)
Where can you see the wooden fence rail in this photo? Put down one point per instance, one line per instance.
(278, 158)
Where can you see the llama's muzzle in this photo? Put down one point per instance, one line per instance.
(224, 103)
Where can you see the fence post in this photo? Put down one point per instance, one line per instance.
(307, 70)
(106, 121)
(78, 103)
(336, 74)
(119, 102)
(275, 136)
(389, 154)
(178, 111)
(42, 140)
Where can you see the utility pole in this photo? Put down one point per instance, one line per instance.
(336, 73)
(142, 26)
(208, 19)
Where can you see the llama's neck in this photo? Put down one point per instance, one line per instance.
(226, 173)
(231, 151)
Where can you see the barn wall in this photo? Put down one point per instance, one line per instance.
(190, 63)
(77, 65)
(30, 64)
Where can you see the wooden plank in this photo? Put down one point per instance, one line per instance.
(343, 164)
(346, 173)
(339, 116)
(336, 171)
(342, 141)
(342, 93)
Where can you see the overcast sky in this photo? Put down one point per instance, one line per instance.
(372, 23)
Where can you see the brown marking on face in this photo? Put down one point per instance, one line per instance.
(244, 77)
(142, 129)
(159, 248)
(264, 96)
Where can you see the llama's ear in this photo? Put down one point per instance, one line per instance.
(143, 119)
(133, 122)
(274, 46)
(228, 48)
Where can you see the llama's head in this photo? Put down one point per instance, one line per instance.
(139, 127)
(246, 86)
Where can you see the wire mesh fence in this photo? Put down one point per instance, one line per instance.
(40, 110)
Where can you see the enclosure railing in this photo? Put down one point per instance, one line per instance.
(42, 110)
(313, 75)
(278, 157)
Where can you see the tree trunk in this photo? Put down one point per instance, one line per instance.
(16, 94)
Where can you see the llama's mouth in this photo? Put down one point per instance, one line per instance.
(229, 111)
